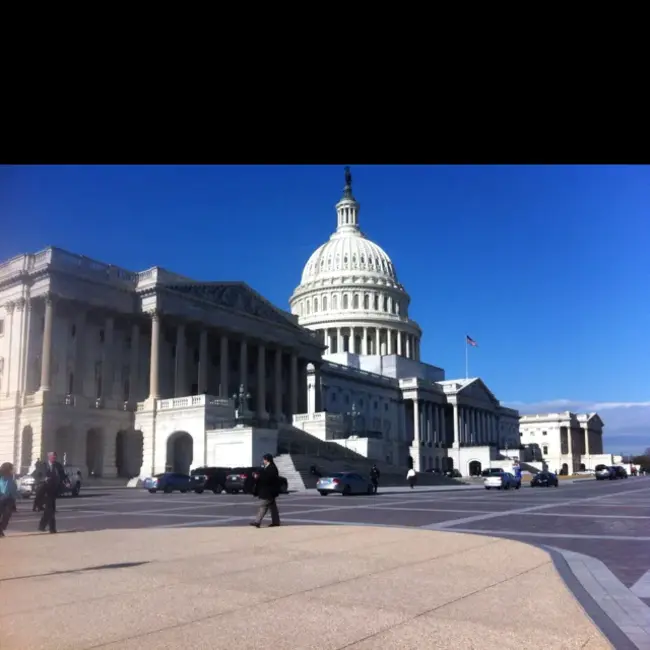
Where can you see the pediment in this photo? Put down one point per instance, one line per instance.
(594, 420)
(478, 391)
(237, 296)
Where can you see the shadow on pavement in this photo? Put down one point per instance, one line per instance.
(101, 567)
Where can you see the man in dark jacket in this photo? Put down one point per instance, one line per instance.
(374, 477)
(267, 489)
(54, 476)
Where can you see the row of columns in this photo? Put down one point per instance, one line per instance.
(396, 341)
(180, 382)
(471, 426)
(474, 426)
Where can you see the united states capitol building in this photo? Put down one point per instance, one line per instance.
(131, 373)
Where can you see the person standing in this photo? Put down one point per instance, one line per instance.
(8, 494)
(374, 477)
(54, 476)
(411, 477)
(267, 489)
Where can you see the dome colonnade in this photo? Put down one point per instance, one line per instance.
(349, 292)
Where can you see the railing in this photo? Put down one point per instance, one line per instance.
(334, 418)
(358, 372)
(193, 401)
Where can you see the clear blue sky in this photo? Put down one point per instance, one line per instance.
(546, 267)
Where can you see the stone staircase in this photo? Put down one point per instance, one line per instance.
(287, 469)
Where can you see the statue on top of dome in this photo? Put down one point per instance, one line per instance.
(347, 190)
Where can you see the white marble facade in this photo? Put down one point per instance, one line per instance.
(113, 367)
(393, 406)
(568, 442)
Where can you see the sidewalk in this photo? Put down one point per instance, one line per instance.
(294, 588)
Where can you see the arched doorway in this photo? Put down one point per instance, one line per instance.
(565, 469)
(64, 445)
(582, 468)
(94, 452)
(180, 452)
(475, 468)
(26, 449)
(128, 453)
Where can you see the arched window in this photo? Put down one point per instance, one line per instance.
(355, 301)
(345, 301)
(385, 303)
(308, 305)
(366, 302)
(376, 301)
(335, 301)
(315, 305)
(363, 260)
(329, 262)
(396, 305)
(354, 261)
(324, 303)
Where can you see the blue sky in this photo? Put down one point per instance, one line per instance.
(546, 267)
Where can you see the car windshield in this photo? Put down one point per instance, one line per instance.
(600, 468)
(492, 471)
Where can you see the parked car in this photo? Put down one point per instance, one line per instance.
(345, 483)
(27, 484)
(209, 478)
(620, 472)
(502, 481)
(242, 479)
(492, 471)
(545, 479)
(453, 473)
(168, 482)
(604, 472)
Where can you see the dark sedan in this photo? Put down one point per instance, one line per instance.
(545, 479)
(168, 482)
(242, 479)
(209, 478)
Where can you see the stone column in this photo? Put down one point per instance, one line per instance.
(319, 389)
(243, 364)
(46, 354)
(154, 365)
(365, 340)
(203, 363)
(293, 384)
(408, 346)
(180, 384)
(277, 407)
(108, 355)
(134, 362)
(339, 340)
(389, 341)
(455, 422)
(352, 343)
(9, 307)
(587, 447)
(261, 382)
(224, 387)
(437, 437)
(108, 467)
(79, 353)
(399, 343)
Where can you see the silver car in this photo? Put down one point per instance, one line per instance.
(345, 483)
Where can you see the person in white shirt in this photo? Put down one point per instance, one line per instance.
(411, 477)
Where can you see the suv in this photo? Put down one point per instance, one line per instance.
(603, 473)
(620, 472)
(209, 478)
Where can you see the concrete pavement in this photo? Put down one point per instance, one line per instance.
(293, 587)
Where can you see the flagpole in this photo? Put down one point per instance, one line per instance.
(466, 359)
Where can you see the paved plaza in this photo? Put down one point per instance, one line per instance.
(595, 534)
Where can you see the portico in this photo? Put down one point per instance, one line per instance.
(96, 349)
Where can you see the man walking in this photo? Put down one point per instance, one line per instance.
(374, 478)
(267, 489)
(54, 476)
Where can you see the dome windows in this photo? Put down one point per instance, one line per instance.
(345, 301)
(324, 303)
(335, 302)
(366, 302)
(355, 301)
(315, 305)
(376, 303)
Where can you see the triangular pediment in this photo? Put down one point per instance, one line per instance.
(237, 296)
(593, 419)
(477, 390)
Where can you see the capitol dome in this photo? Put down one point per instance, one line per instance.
(349, 292)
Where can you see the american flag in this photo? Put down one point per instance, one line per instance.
(471, 341)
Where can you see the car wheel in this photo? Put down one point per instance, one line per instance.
(347, 491)
(518, 486)
(152, 491)
(199, 491)
(323, 493)
(486, 487)
(557, 484)
(217, 490)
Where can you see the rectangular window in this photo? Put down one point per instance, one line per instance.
(543, 433)
(545, 450)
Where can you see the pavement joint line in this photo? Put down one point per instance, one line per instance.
(626, 610)
(512, 533)
(516, 511)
